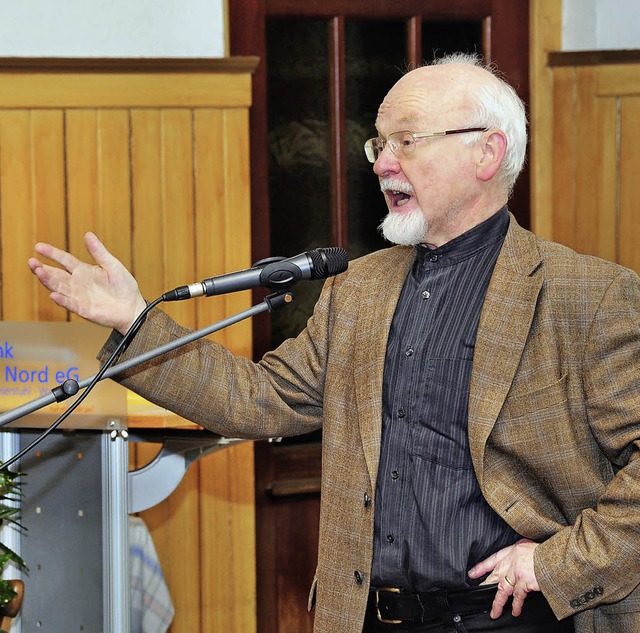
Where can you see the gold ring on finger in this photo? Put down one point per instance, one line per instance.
(509, 581)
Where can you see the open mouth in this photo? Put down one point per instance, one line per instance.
(399, 198)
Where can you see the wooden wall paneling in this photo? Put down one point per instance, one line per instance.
(49, 198)
(99, 181)
(629, 234)
(172, 172)
(605, 168)
(212, 203)
(147, 232)
(177, 212)
(128, 87)
(545, 19)
(49, 178)
(587, 161)
(228, 581)
(82, 177)
(17, 214)
(174, 526)
(147, 200)
(595, 163)
(227, 519)
(618, 79)
(564, 157)
(119, 152)
(31, 205)
(235, 207)
(114, 183)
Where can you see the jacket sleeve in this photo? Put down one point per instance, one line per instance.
(281, 395)
(595, 561)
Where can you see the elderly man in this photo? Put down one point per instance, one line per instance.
(477, 389)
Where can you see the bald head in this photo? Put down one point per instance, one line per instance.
(439, 91)
(459, 92)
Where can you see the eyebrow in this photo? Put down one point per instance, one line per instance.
(408, 120)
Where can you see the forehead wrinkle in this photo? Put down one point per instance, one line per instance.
(405, 122)
(431, 96)
(403, 109)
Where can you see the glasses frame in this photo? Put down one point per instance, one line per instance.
(373, 147)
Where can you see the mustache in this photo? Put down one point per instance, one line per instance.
(391, 184)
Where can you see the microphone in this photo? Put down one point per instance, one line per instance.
(276, 273)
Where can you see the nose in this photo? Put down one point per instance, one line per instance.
(386, 163)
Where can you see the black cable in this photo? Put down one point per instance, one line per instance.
(126, 339)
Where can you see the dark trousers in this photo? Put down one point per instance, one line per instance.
(536, 617)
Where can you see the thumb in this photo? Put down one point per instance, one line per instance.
(98, 250)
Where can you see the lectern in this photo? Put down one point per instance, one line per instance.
(78, 491)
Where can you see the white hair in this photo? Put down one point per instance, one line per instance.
(496, 105)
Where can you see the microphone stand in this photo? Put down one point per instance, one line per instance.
(123, 492)
(71, 387)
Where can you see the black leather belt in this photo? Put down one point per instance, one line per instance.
(395, 606)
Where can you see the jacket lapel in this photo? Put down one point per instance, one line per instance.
(378, 296)
(505, 322)
(506, 318)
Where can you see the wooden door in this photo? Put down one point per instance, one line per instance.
(324, 67)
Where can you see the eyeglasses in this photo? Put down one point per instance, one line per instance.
(405, 141)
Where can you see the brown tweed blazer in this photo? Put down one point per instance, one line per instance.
(554, 418)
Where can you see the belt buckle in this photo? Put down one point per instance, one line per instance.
(380, 618)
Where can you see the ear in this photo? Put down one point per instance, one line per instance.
(493, 148)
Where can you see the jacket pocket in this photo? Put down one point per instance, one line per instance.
(523, 400)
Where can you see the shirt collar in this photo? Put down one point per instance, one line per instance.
(481, 236)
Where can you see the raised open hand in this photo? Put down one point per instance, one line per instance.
(105, 292)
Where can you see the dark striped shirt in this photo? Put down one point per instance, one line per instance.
(431, 522)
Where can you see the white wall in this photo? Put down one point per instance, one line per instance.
(196, 28)
(600, 25)
(112, 28)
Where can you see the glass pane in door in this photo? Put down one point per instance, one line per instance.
(442, 37)
(299, 153)
(375, 53)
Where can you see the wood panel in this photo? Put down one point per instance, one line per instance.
(545, 19)
(593, 129)
(155, 161)
(629, 231)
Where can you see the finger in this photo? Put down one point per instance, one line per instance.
(63, 301)
(502, 595)
(519, 596)
(484, 566)
(51, 278)
(34, 263)
(489, 564)
(98, 250)
(68, 261)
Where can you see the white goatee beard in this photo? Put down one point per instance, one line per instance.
(405, 228)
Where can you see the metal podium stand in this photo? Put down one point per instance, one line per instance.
(79, 495)
(78, 480)
(78, 492)
(76, 543)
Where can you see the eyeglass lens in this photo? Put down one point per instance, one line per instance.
(397, 141)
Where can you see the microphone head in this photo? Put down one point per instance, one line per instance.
(328, 262)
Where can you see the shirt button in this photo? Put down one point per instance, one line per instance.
(434, 258)
(425, 294)
(367, 500)
(409, 352)
(394, 474)
(401, 412)
(456, 618)
(390, 538)
(358, 576)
